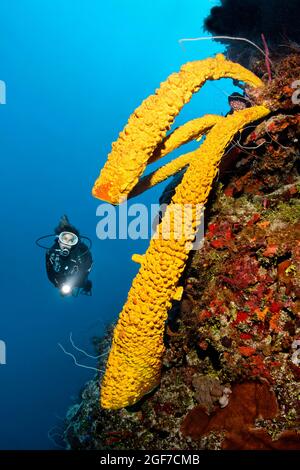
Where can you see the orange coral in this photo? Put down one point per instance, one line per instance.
(248, 402)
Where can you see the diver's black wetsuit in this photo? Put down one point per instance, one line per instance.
(76, 266)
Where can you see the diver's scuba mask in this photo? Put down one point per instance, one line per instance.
(66, 241)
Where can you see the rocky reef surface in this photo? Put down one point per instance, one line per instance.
(231, 369)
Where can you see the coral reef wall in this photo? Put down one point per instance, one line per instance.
(278, 21)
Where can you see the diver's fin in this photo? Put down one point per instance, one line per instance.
(64, 220)
(64, 225)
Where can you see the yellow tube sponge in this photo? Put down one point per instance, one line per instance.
(191, 130)
(148, 125)
(204, 165)
(161, 174)
(134, 363)
(181, 135)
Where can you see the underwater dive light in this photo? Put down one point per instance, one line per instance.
(66, 289)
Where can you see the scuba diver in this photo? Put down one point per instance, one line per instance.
(68, 260)
(237, 101)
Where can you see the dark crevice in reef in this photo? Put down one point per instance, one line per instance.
(231, 369)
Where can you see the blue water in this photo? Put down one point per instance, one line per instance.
(74, 71)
